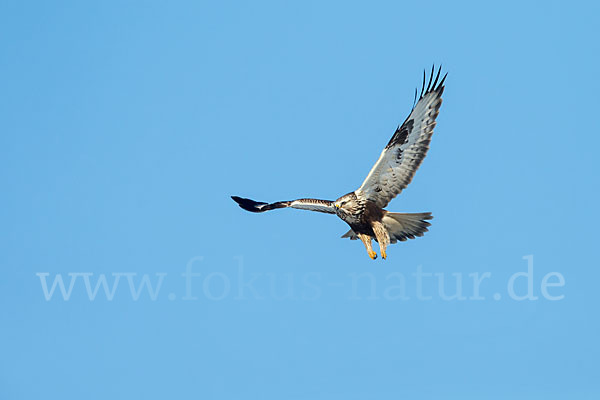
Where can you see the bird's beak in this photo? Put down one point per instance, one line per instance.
(337, 205)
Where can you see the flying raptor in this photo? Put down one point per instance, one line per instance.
(363, 209)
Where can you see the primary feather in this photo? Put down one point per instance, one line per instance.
(407, 148)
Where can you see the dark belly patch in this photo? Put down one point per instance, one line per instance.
(371, 214)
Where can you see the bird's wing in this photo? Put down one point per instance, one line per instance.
(324, 206)
(406, 150)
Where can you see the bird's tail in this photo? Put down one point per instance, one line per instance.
(403, 226)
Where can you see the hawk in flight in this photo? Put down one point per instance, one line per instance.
(362, 209)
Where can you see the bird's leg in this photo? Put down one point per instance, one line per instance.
(366, 239)
(383, 237)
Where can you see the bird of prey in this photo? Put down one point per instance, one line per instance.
(363, 209)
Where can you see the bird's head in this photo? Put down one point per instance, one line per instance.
(346, 204)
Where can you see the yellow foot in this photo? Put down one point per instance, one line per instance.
(383, 254)
(373, 255)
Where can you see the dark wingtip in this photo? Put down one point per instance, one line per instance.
(247, 204)
(433, 85)
(441, 85)
(415, 100)
(430, 78)
(436, 78)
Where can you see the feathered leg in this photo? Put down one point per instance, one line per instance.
(383, 237)
(366, 239)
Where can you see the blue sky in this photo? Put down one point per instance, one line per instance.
(126, 126)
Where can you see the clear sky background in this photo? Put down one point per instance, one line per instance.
(125, 127)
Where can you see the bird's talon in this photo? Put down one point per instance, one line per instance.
(383, 255)
(373, 255)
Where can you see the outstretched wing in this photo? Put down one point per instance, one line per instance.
(324, 206)
(406, 150)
